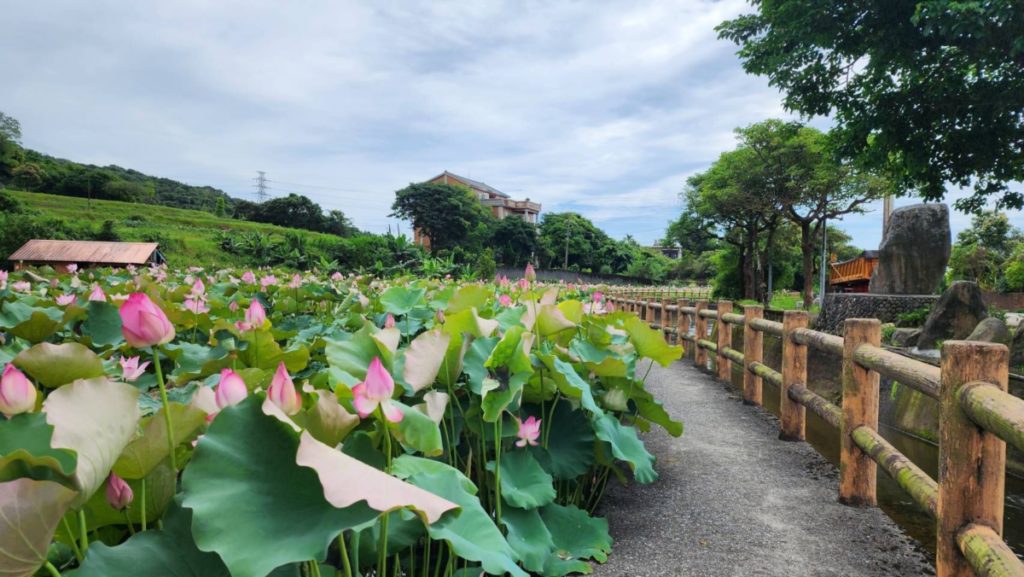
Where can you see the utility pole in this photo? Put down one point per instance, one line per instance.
(261, 186)
(886, 212)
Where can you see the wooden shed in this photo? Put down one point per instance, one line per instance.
(85, 254)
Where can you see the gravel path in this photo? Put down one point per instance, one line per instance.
(733, 500)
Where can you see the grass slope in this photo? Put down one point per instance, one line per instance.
(186, 237)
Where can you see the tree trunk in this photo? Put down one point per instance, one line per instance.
(749, 270)
(807, 250)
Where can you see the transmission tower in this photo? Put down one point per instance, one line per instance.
(261, 186)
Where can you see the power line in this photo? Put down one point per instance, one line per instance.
(319, 186)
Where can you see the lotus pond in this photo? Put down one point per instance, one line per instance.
(215, 423)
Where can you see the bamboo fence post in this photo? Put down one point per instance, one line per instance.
(682, 326)
(972, 461)
(753, 351)
(648, 311)
(857, 471)
(722, 363)
(664, 319)
(792, 414)
(700, 354)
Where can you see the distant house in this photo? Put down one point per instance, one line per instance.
(501, 204)
(85, 254)
(672, 252)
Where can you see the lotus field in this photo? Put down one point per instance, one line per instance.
(208, 424)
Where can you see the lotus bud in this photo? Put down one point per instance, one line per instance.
(598, 296)
(529, 274)
(119, 494)
(337, 276)
(505, 300)
(143, 323)
(233, 306)
(524, 284)
(439, 316)
(249, 277)
(65, 299)
(71, 268)
(231, 389)
(282, 392)
(389, 322)
(255, 315)
(17, 395)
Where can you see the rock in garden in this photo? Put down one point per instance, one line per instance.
(905, 337)
(1017, 347)
(991, 330)
(913, 255)
(954, 315)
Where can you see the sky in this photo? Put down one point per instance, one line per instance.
(602, 108)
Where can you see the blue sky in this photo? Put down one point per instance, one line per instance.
(601, 108)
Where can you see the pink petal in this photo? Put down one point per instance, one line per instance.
(379, 384)
(392, 412)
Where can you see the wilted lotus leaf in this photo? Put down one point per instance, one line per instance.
(29, 513)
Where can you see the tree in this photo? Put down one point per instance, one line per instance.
(448, 215)
(811, 187)
(931, 92)
(10, 145)
(28, 176)
(335, 222)
(569, 240)
(986, 251)
(515, 241)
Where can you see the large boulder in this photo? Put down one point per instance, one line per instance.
(954, 315)
(914, 251)
(991, 330)
(905, 338)
(1017, 347)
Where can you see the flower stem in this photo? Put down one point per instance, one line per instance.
(343, 552)
(497, 471)
(128, 520)
(382, 541)
(51, 569)
(314, 568)
(71, 538)
(83, 532)
(142, 507)
(167, 408)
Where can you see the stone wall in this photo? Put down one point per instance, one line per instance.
(841, 306)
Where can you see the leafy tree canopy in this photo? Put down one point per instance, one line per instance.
(449, 215)
(931, 91)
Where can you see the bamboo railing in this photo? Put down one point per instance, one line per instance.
(978, 416)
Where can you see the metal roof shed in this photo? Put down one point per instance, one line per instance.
(85, 253)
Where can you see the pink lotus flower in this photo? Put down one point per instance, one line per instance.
(22, 286)
(296, 282)
(269, 280)
(282, 392)
(598, 296)
(143, 323)
(505, 301)
(337, 276)
(197, 306)
(97, 294)
(530, 274)
(65, 300)
(529, 431)
(198, 289)
(233, 306)
(119, 494)
(248, 277)
(131, 369)
(231, 389)
(376, 391)
(503, 281)
(524, 284)
(255, 315)
(439, 316)
(71, 268)
(17, 395)
(389, 322)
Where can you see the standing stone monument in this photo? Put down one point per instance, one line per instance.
(914, 251)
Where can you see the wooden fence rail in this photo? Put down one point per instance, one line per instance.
(978, 416)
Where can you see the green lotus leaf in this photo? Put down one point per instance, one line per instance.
(573, 386)
(476, 359)
(524, 483)
(353, 355)
(551, 320)
(25, 451)
(263, 352)
(451, 367)
(576, 534)
(167, 552)
(30, 323)
(408, 465)
(424, 357)
(55, 365)
(570, 450)
(399, 300)
(243, 473)
(572, 310)
(649, 408)
(418, 432)
(469, 322)
(327, 420)
(96, 418)
(387, 344)
(469, 297)
(530, 539)
(472, 533)
(146, 452)
(29, 513)
(161, 486)
(651, 343)
(627, 446)
(404, 530)
(103, 324)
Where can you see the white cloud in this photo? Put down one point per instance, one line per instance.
(601, 108)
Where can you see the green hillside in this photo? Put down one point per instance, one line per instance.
(186, 237)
